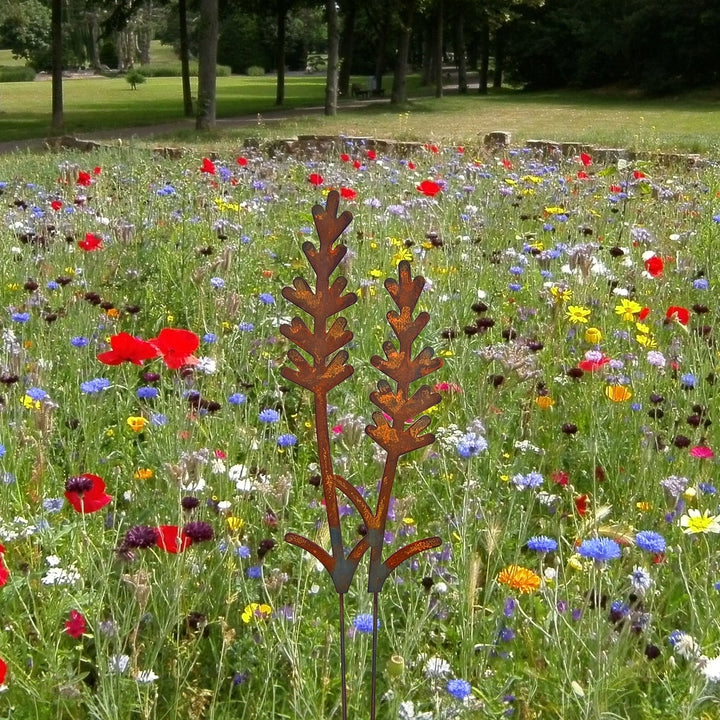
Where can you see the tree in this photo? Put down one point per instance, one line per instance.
(185, 58)
(333, 35)
(57, 64)
(347, 44)
(407, 13)
(207, 64)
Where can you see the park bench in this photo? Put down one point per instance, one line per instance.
(365, 93)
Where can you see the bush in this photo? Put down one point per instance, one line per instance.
(176, 70)
(16, 73)
(134, 78)
(255, 71)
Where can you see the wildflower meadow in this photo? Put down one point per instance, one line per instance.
(153, 456)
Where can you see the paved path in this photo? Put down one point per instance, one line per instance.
(148, 131)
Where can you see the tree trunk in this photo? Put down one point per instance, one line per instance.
(331, 84)
(484, 56)
(185, 59)
(381, 58)
(428, 54)
(438, 50)
(499, 57)
(347, 43)
(94, 40)
(460, 52)
(57, 64)
(280, 52)
(399, 92)
(207, 64)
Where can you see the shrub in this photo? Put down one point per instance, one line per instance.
(135, 78)
(16, 73)
(175, 70)
(255, 71)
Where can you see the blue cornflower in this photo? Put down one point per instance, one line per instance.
(471, 445)
(675, 637)
(158, 419)
(506, 634)
(52, 505)
(599, 549)
(224, 173)
(516, 270)
(209, 338)
(459, 689)
(246, 327)
(514, 287)
(532, 480)
(688, 380)
(509, 609)
(650, 541)
(286, 440)
(2, 450)
(542, 543)
(37, 394)
(20, 317)
(701, 284)
(237, 399)
(268, 415)
(363, 623)
(91, 387)
(245, 239)
(79, 341)
(266, 299)
(716, 218)
(217, 282)
(52, 285)
(707, 488)
(243, 552)
(146, 392)
(254, 572)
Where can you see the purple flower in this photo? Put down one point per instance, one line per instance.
(599, 549)
(459, 689)
(650, 541)
(363, 623)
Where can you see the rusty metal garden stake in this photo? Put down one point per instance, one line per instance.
(326, 368)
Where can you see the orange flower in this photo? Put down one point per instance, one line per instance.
(617, 393)
(544, 402)
(519, 578)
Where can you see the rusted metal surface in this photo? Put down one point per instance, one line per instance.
(398, 425)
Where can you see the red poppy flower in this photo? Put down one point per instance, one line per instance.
(3, 672)
(90, 243)
(171, 539)
(76, 626)
(177, 347)
(56, 205)
(638, 175)
(654, 266)
(581, 504)
(560, 477)
(643, 313)
(431, 148)
(126, 348)
(97, 170)
(429, 188)
(615, 189)
(678, 314)
(84, 178)
(348, 193)
(411, 165)
(461, 150)
(593, 365)
(208, 166)
(585, 159)
(371, 155)
(582, 175)
(345, 157)
(4, 574)
(86, 493)
(242, 162)
(507, 164)
(316, 179)
(357, 164)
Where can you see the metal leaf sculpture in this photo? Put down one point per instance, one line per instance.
(398, 427)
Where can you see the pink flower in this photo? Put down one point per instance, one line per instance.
(76, 626)
(702, 451)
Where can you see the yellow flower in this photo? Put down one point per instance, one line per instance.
(628, 309)
(593, 335)
(642, 328)
(577, 314)
(29, 403)
(143, 474)
(694, 522)
(376, 273)
(544, 402)
(137, 424)
(643, 506)
(402, 254)
(561, 294)
(618, 393)
(647, 341)
(235, 524)
(554, 210)
(256, 611)
(519, 578)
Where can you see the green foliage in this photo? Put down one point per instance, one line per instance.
(16, 74)
(135, 78)
(176, 70)
(316, 62)
(255, 71)
(245, 40)
(25, 29)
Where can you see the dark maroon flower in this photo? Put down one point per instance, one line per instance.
(265, 547)
(569, 428)
(140, 536)
(199, 531)
(189, 502)
(86, 493)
